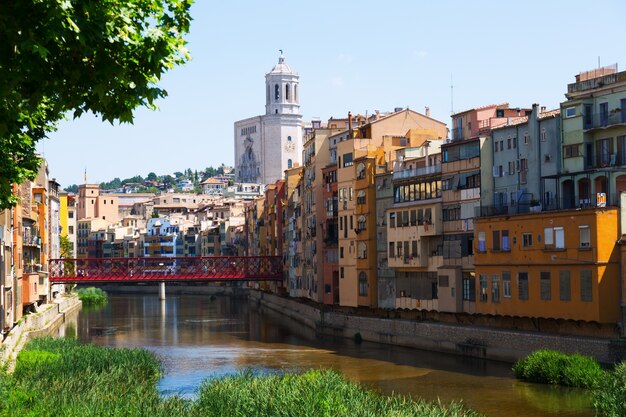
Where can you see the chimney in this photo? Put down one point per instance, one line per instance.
(350, 122)
(427, 111)
(543, 109)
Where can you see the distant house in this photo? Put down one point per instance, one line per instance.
(214, 186)
(185, 185)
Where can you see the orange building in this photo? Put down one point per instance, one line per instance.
(552, 264)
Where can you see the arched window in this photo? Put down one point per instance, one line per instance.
(360, 171)
(362, 223)
(295, 92)
(289, 163)
(288, 138)
(362, 284)
(276, 92)
(287, 92)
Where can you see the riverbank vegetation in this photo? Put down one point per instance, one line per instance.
(60, 377)
(551, 367)
(92, 296)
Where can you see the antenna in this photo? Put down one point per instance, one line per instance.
(451, 95)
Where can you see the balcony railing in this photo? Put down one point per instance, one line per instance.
(606, 119)
(417, 172)
(612, 200)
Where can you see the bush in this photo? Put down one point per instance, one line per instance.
(609, 397)
(92, 296)
(557, 368)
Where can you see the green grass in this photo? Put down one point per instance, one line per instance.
(552, 367)
(609, 397)
(60, 377)
(92, 296)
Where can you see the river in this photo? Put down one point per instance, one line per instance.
(200, 337)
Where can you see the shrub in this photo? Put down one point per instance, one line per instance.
(557, 368)
(92, 296)
(609, 397)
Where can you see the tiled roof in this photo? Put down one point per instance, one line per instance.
(549, 113)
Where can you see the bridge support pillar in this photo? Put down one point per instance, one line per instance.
(162, 290)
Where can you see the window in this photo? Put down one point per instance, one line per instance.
(548, 236)
(570, 112)
(571, 151)
(505, 241)
(585, 286)
(545, 284)
(276, 92)
(506, 284)
(341, 252)
(508, 143)
(495, 288)
(360, 171)
(362, 250)
(286, 91)
(565, 291)
(341, 274)
(360, 197)
(496, 240)
(544, 134)
(289, 163)
(559, 238)
(392, 249)
(71, 230)
(70, 214)
(482, 245)
(469, 286)
(527, 240)
(392, 220)
(413, 217)
(526, 138)
(482, 279)
(514, 143)
(585, 236)
(362, 223)
(414, 248)
(522, 285)
(288, 138)
(347, 160)
(362, 284)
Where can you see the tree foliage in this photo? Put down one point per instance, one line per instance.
(61, 57)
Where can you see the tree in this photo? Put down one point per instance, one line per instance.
(77, 56)
(151, 176)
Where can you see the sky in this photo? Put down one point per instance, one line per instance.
(357, 56)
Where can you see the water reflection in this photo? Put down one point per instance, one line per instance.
(197, 337)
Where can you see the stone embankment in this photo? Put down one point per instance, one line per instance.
(42, 323)
(474, 341)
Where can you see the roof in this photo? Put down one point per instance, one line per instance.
(488, 106)
(549, 113)
(281, 67)
(212, 180)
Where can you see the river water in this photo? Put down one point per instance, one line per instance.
(201, 337)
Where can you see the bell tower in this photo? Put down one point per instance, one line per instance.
(282, 95)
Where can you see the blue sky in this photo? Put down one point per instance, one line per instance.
(357, 56)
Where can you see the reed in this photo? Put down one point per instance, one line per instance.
(557, 368)
(91, 296)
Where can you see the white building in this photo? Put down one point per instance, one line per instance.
(267, 145)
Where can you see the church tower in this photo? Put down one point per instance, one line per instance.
(267, 145)
(281, 86)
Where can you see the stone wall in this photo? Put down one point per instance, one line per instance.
(497, 344)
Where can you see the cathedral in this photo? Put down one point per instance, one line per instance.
(267, 145)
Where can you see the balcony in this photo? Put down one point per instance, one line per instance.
(417, 172)
(604, 120)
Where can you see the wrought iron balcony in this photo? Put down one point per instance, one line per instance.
(604, 119)
(417, 172)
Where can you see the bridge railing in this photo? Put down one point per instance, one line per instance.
(166, 269)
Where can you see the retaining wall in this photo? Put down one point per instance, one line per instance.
(475, 341)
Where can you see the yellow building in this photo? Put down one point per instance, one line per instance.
(552, 264)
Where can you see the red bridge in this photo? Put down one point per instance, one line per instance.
(181, 269)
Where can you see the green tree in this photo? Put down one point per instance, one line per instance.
(76, 56)
(151, 176)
